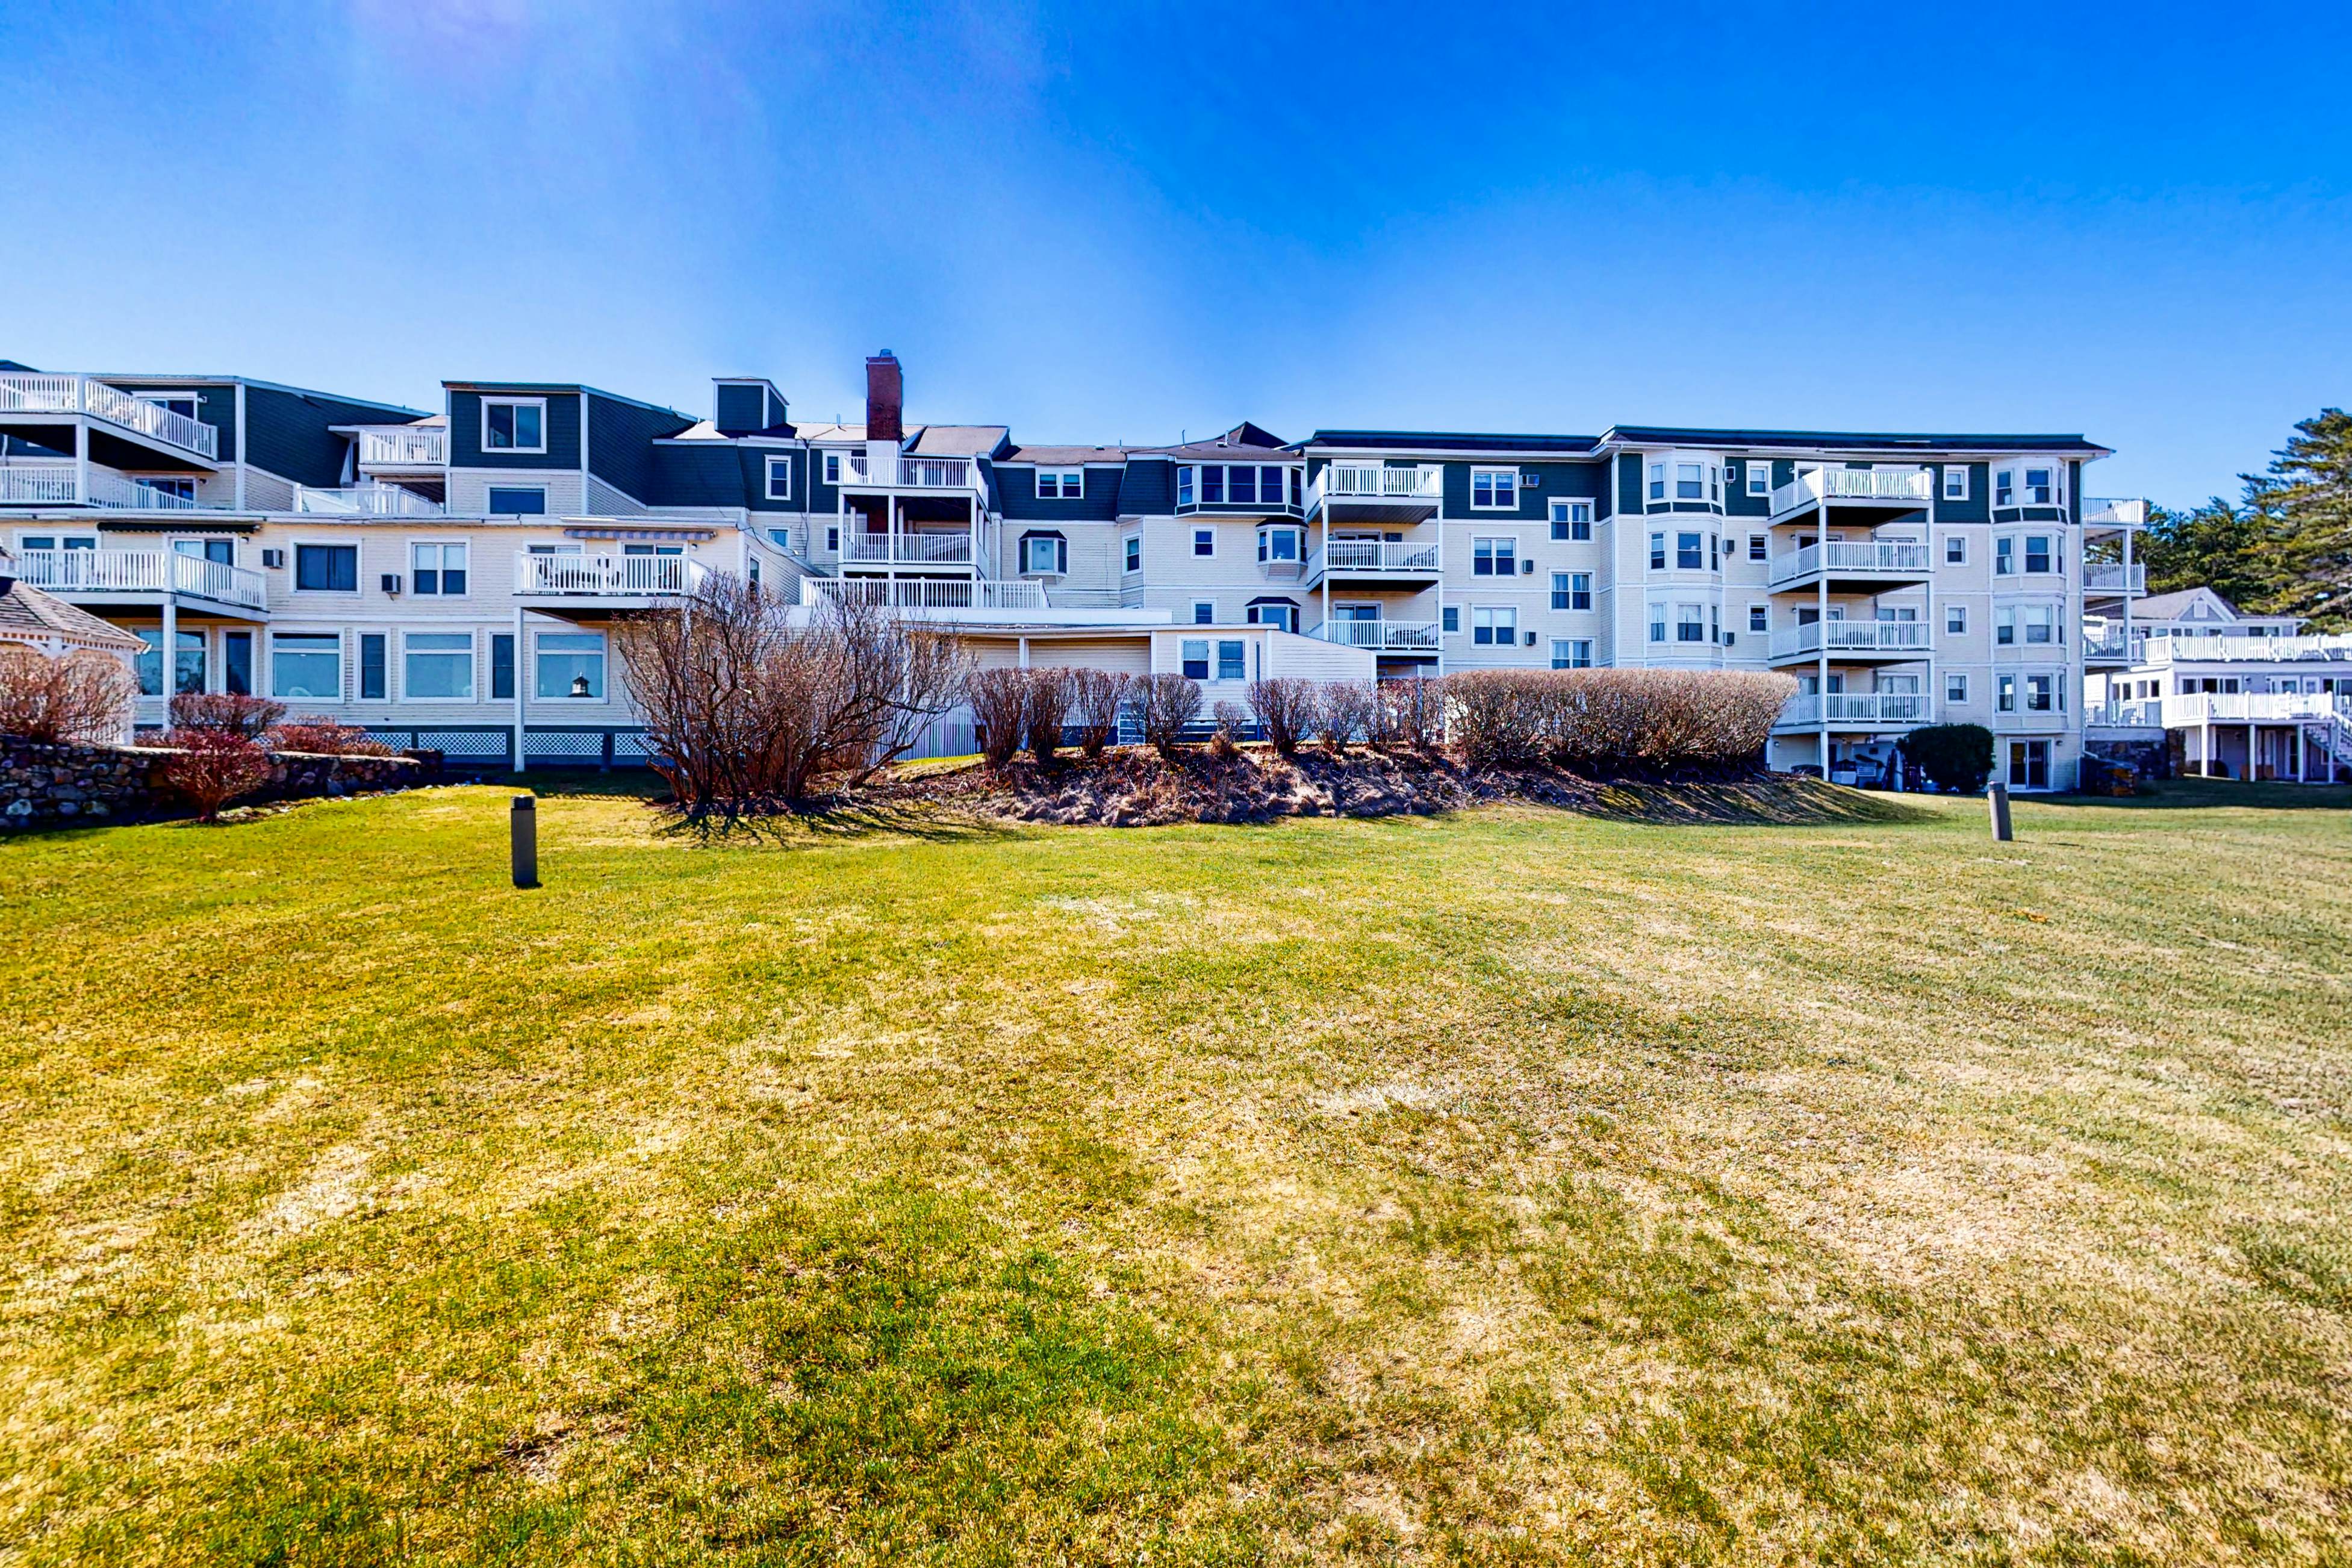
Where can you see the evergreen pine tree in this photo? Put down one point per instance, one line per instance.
(2306, 553)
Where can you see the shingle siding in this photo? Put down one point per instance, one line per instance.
(620, 438)
(563, 432)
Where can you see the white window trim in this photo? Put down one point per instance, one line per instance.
(1956, 688)
(778, 464)
(1130, 554)
(1953, 472)
(1509, 541)
(537, 403)
(1482, 470)
(1490, 611)
(1199, 605)
(832, 467)
(346, 662)
(474, 649)
(1060, 551)
(1961, 613)
(1194, 541)
(539, 636)
(543, 500)
(1756, 476)
(465, 544)
(1063, 480)
(294, 548)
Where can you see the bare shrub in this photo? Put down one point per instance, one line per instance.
(1607, 719)
(1408, 713)
(1000, 706)
(214, 767)
(324, 736)
(1491, 715)
(1095, 696)
(82, 699)
(225, 710)
(1231, 716)
(1048, 706)
(746, 708)
(1346, 709)
(1169, 702)
(1286, 705)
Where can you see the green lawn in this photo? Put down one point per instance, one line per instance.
(1515, 1187)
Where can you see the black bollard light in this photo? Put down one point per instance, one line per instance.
(1997, 798)
(522, 824)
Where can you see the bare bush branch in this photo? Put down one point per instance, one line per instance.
(225, 710)
(1286, 705)
(1000, 707)
(1048, 706)
(1169, 702)
(213, 767)
(1095, 698)
(1345, 711)
(82, 699)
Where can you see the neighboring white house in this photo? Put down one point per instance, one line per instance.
(2227, 694)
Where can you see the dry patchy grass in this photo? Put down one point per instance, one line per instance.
(1509, 1187)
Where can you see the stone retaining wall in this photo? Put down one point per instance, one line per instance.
(42, 785)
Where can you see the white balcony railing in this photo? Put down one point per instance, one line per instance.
(1853, 637)
(1875, 557)
(609, 576)
(2114, 577)
(2099, 513)
(2108, 645)
(912, 473)
(404, 447)
(2246, 650)
(925, 593)
(1372, 555)
(1813, 486)
(59, 484)
(158, 572)
(1871, 708)
(2254, 707)
(1384, 636)
(916, 548)
(1377, 482)
(23, 392)
(2147, 713)
(366, 501)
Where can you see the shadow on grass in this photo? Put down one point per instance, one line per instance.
(1776, 802)
(840, 824)
(2190, 794)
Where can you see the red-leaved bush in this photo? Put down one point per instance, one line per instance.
(323, 736)
(214, 767)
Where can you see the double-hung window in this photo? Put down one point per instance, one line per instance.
(1205, 612)
(1185, 485)
(1759, 617)
(1956, 550)
(1956, 481)
(1571, 590)
(2004, 487)
(1657, 481)
(1571, 653)
(1657, 623)
(2004, 558)
(1690, 623)
(1195, 657)
(1657, 553)
(1956, 619)
(1497, 627)
(1204, 542)
(779, 479)
(1690, 481)
(438, 666)
(1061, 484)
(569, 665)
(2039, 693)
(1241, 486)
(1133, 559)
(438, 568)
(327, 568)
(833, 467)
(307, 665)
(1759, 476)
(1759, 546)
(1495, 490)
(2037, 553)
(1572, 520)
(2004, 693)
(2039, 490)
(1956, 688)
(1493, 557)
(1231, 660)
(514, 425)
(1689, 553)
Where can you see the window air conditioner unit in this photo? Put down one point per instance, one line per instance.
(391, 582)
(1532, 639)
(1527, 568)
(1530, 480)
(274, 559)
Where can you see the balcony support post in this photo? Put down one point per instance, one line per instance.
(240, 446)
(521, 664)
(1821, 632)
(81, 463)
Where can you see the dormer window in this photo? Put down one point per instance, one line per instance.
(513, 425)
(2038, 487)
(1280, 544)
(1236, 484)
(1759, 476)
(1956, 481)
(1690, 483)
(1061, 484)
(2004, 487)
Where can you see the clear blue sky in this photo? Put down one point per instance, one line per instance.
(1096, 222)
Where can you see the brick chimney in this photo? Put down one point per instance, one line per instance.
(886, 397)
